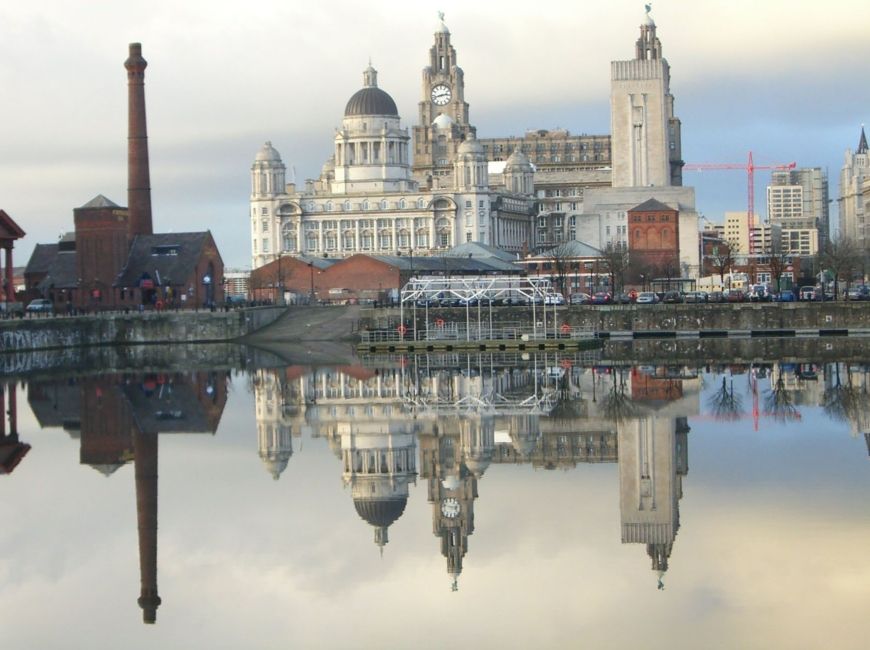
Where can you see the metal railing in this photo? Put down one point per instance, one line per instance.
(476, 332)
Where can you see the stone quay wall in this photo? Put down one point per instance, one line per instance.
(52, 333)
(740, 317)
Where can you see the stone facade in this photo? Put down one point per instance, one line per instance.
(855, 192)
(645, 133)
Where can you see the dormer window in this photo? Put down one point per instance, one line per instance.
(167, 249)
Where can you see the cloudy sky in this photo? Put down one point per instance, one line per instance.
(783, 78)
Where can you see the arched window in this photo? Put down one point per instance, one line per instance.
(402, 204)
(365, 205)
(288, 237)
(329, 206)
(347, 205)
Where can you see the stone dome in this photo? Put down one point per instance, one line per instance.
(518, 161)
(470, 146)
(268, 154)
(380, 512)
(370, 101)
(443, 121)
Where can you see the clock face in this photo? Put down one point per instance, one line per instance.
(441, 95)
(450, 507)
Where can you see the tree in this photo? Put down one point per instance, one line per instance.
(618, 262)
(722, 259)
(841, 256)
(779, 261)
(561, 259)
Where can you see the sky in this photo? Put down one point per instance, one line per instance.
(785, 79)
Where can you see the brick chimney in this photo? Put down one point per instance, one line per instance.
(138, 174)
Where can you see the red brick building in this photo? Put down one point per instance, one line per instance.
(653, 242)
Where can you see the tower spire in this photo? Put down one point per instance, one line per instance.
(862, 142)
(138, 174)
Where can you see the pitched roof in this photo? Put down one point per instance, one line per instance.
(171, 255)
(652, 205)
(862, 142)
(572, 248)
(478, 249)
(446, 264)
(8, 228)
(100, 201)
(62, 273)
(41, 258)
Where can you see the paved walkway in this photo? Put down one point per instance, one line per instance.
(333, 323)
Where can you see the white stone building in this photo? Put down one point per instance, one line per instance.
(853, 175)
(366, 199)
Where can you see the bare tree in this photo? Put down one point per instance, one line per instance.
(561, 259)
(779, 401)
(725, 404)
(618, 262)
(779, 261)
(722, 258)
(841, 256)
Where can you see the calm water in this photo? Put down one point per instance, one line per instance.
(492, 502)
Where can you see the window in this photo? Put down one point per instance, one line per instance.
(347, 205)
(329, 206)
(467, 205)
(264, 211)
(265, 245)
(348, 240)
(468, 236)
(365, 205)
(265, 225)
(385, 239)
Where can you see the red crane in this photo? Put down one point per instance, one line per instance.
(750, 168)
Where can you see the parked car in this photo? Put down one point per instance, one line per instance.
(807, 293)
(554, 299)
(672, 297)
(736, 295)
(758, 293)
(602, 298)
(716, 296)
(695, 296)
(40, 306)
(860, 292)
(625, 298)
(647, 298)
(581, 299)
(786, 295)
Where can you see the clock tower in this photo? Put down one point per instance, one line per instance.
(443, 124)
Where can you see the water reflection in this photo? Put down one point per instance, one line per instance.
(445, 419)
(117, 419)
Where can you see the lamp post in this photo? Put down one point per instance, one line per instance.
(280, 300)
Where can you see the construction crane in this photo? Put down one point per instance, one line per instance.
(750, 168)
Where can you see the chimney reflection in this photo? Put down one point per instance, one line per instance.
(118, 419)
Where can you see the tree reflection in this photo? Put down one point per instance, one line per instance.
(842, 401)
(617, 405)
(724, 403)
(779, 402)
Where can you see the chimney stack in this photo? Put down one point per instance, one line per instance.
(138, 173)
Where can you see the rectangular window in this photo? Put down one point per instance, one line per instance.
(467, 204)
(265, 245)
(264, 211)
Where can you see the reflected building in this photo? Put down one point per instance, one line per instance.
(469, 411)
(653, 458)
(12, 450)
(275, 415)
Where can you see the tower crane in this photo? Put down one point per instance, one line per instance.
(750, 168)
